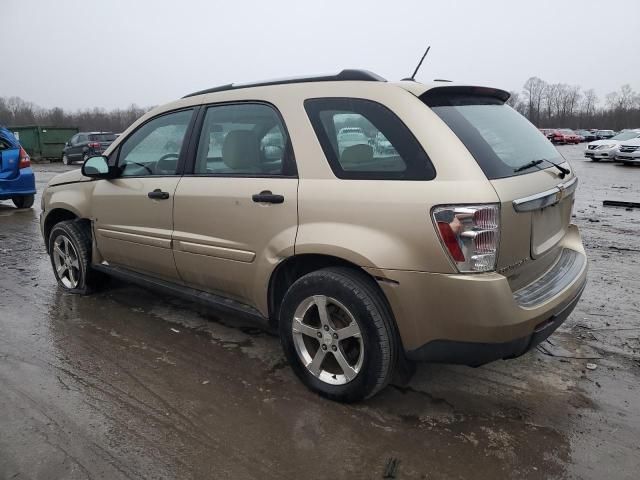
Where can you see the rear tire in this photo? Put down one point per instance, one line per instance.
(349, 354)
(70, 253)
(25, 201)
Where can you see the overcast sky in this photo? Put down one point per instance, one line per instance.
(111, 53)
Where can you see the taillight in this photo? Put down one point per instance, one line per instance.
(25, 161)
(470, 235)
(94, 145)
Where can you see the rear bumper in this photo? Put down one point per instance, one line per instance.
(23, 184)
(475, 354)
(473, 319)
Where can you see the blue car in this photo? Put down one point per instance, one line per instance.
(17, 181)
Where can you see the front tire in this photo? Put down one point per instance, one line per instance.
(65, 160)
(24, 201)
(70, 253)
(337, 334)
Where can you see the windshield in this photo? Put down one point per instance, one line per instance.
(102, 137)
(500, 139)
(626, 136)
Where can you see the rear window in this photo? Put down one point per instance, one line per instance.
(500, 139)
(102, 137)
(364, 140)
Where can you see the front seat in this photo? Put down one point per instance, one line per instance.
(241, 151)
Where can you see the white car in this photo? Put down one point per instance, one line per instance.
(629, 152)
(608, 149)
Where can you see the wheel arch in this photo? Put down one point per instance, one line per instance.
(57, 215)
(296, 266)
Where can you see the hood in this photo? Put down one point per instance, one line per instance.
(605, 142)
(68, 177)
(633, 142)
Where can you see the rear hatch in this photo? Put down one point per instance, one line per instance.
(9, 160)
(104, 139)
(536, 196)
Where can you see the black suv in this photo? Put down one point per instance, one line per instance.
(86, 144)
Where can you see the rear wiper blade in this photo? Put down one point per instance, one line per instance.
(526, 166)
(535, 163)
(563, 171)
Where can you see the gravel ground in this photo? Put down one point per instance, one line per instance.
(128, 384)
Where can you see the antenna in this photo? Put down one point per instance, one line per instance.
(412, 77)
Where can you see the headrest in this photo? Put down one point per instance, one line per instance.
(241, 150)
(356, 155)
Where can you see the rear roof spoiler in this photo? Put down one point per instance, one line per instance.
(442, 96)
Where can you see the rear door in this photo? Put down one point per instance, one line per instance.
(133, 214)
(235, 215)
(536, 196)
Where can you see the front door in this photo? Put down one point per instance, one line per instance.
(133, 214)
(235, 215)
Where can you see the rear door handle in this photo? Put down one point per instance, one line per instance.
(267, 197)
(158, 194)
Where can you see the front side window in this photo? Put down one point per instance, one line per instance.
(364, 140)
(154, 149)
(243, 139)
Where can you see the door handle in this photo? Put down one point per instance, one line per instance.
(267, 197)
(158, 194)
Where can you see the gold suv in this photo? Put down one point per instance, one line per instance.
(371, 223)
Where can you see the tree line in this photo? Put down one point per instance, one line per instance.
(558, 105)
(15, 112)
(546, 105)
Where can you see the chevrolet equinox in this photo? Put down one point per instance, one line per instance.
(274, 200)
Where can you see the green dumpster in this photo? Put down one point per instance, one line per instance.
(43, 143)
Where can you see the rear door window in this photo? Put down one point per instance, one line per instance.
(365, 140)
(499, 138)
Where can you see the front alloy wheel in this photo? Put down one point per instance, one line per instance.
(65, 261)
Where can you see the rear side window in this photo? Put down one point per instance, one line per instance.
(243, 140)
(102, 137)
(365, 140)
(500, 139)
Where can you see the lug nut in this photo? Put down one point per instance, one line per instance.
(334, 348)
(319, 335)
(326, 327)
(324, 347)
(335, 335)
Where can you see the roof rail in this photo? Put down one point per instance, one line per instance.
(344, 75)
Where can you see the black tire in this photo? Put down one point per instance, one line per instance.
(78, 233)
(65, 160)
(359, 294)
(24, 201)
(595, 159)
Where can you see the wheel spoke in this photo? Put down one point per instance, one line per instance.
(316, 363)
(61, 269)
(348, 371)
(321, 303)
(72, 276)
(66, 245)
(75, 263)
(349, 331)
(59, 251)
(308, 330)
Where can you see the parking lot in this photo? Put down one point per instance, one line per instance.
(129, 384)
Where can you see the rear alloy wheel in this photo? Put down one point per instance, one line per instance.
(70, 252)
(24, 201)
(337, 334)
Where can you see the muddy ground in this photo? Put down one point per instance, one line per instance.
(127, 384)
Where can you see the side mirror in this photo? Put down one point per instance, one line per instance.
(97, 167)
